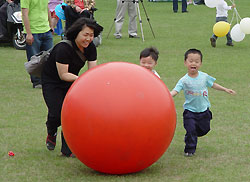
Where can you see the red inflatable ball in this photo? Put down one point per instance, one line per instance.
(118, 118)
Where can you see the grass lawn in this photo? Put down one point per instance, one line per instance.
(222, 155)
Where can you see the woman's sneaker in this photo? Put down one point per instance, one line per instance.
(70, 155)
(51, 142)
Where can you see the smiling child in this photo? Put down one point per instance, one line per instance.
(196, 115)
(148, 59)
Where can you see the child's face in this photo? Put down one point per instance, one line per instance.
(193, 63)
(148, 63)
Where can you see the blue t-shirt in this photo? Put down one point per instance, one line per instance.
(195, 91)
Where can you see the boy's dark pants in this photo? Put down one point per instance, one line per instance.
(196, 125)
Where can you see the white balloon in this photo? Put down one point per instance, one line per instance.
(211, 3)
(236, 33)
(245, 25)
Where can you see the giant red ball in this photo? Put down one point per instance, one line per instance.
(118, 118)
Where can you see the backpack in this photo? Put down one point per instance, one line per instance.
(35, 66)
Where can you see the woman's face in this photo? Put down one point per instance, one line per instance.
(84, 37)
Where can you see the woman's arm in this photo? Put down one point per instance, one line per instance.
(92, 64)
(64, 73)
(70, 77)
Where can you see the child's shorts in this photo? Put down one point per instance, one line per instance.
(197, 122)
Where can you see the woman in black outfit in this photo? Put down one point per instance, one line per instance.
(62, 69)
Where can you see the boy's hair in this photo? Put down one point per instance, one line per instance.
(192, 51)
(151, 51)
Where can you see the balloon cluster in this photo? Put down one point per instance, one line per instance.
(239, 30)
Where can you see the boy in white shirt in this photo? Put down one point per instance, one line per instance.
(148, 59)
(221, 15)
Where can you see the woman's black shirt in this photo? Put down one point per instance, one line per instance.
(65, 54)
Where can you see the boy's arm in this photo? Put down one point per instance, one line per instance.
(221, 88)
(173, 93)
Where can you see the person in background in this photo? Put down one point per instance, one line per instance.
(184, 6)
(221, 15)
(52, 5)
(148, 59)
(62, 69)
(38, 30)
(3, 18)
(197, 114)
(77, 9)
(82, 6)
(122, 7)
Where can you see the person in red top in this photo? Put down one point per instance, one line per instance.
(77, 5)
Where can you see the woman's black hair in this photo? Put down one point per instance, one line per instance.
(78, 25)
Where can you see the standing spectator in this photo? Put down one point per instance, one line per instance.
(221, 15)
(37, 28)
(52, 5)
(3, 19)
(122, 7)
(184, 6)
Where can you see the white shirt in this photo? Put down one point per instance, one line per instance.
(222, 9)
(156, 73)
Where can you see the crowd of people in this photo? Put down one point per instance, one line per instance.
(67, 59)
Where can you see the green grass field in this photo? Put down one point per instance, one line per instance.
(222, 155)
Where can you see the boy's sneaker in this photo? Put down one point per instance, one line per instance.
(213, 42)
(230, 44)
(186, 154)
(51, 142)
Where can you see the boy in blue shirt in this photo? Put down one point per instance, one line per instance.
(196, 115)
